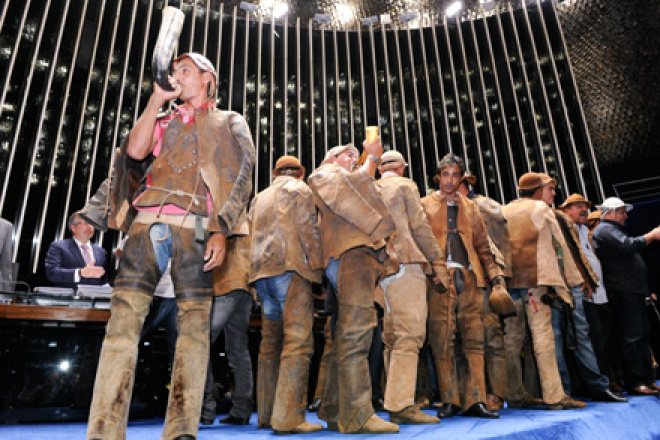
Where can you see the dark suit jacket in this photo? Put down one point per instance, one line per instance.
(6, 273)
(64, 257)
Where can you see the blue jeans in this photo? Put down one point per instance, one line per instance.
(161, 240)
(587, 363)
(272, 293)
(231, 312)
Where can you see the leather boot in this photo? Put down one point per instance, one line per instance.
(303, 428)
(412, 415)
(376, 425)
(567, 402)
(494, 403)
(268, 369)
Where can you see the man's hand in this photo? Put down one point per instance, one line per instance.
(440, 276)
(588, 290)
(162, 96)
(91, 271)
(215, 251)
(373, 147)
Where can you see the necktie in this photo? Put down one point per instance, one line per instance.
(87, 255)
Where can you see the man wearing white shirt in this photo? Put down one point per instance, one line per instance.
(76, 260)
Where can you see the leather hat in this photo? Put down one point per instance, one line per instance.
(575, 198)
(500, 301)
(336, 151)
(530, 181)
(289, 162)
(391, 159)
(547, 179)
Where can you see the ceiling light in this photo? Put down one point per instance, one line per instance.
(249, 7)
(280, 10)
(454, 8)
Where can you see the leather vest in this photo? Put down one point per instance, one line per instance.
(524, 244)
(224, 159)
(176, 173)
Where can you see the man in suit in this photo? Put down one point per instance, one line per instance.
(75, 260)
(6, 274)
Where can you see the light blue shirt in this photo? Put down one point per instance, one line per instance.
(599, 296)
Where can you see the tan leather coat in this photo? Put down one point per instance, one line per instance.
(225, 157)
(471, 229)
(285, 233)
(569, 229)
(233, 272)
(414, 241)
(535, 239)
(491, 213)
(351, 211)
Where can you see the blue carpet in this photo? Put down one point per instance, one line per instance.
(637, 419)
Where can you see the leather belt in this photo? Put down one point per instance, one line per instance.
(184, 221)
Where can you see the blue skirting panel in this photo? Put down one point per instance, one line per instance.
(637, 419)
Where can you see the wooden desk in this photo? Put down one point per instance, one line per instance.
(53, 313)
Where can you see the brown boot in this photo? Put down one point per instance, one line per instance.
(304, 428)
(567, 403)
(411, 415)
(494, 403)
(376, 425)
(527, 402)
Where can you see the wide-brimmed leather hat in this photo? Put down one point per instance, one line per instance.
(530, 181)
(289, 162)
(391, 159)
(546, 179)
(336, 151)
(575, 198)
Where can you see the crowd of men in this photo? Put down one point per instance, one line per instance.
(457, 271)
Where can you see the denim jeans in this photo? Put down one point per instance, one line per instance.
(586, 361)
(161, 240)
(231, 312)
(272, 293)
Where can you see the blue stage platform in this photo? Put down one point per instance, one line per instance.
(637, 419)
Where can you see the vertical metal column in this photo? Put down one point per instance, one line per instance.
(58, 135)
(594, 165)
(521, 129)
(402, 91)
(418, 116)
(388, 86)
(272, 97)
(257, 134)
(104, 93)
(457, 102)
(358, 35)
(434, 134)
(246, 60)
(523, 69)
(500, 103)
(546, 101)
(484, 97)
(475, 128)
(310, 36)
(375, 74)
(298, 103)
(81, 119)
(219, 50)
(349, 86)
(442, 88)
(337, 97)
(206, 26)
(285, 85)
(231, 61)
(35, 147)
(12, 59)
(324, 89)
(17, 125)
